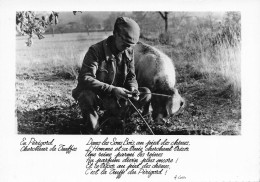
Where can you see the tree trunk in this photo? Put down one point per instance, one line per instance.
(164, 16)
(166, 22)
(52, 30)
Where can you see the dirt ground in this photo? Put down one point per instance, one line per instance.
(45, 106)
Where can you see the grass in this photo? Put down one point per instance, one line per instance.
(211, 61)
(222, 61)
(61, 54)
(46, 74)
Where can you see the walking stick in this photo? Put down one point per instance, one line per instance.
(140, 116)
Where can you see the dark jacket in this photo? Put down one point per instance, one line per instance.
(99, 69)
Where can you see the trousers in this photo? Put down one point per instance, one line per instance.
(90, 103)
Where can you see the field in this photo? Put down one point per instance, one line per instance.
(46, 74)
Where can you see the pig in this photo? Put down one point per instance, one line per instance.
(156, 71)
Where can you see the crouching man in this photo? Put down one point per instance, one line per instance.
(107, 77)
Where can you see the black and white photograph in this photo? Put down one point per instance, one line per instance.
(95, 90)
(135, 72)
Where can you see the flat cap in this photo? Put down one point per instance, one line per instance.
(128, 29)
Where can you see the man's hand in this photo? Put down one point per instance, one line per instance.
(120, 92)
(135, 93)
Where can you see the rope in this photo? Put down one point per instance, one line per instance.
(163, 95)
(140, 116)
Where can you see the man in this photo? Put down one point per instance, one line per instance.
(107, 77)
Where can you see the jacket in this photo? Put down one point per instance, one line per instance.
(98, 70)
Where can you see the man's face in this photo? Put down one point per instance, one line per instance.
(120, 43)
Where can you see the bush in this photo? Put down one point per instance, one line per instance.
(211, 47)
(165, 38)
(220, 57)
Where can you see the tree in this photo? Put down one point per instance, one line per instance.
(141, 18)
(110, 21)
(90, 22)
(149, 22)
(74, 27)
(28, 23)
(164, 16)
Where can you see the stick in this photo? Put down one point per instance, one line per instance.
(164, 95)
(141, 116)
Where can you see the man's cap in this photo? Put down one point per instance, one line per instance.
(128, 29)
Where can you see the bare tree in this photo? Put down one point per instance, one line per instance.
(90, 22)
(164, 16)
(110, 21)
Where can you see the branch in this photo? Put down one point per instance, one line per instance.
(74, 12)
(144, 15)
(27, 23)
(162, 15)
